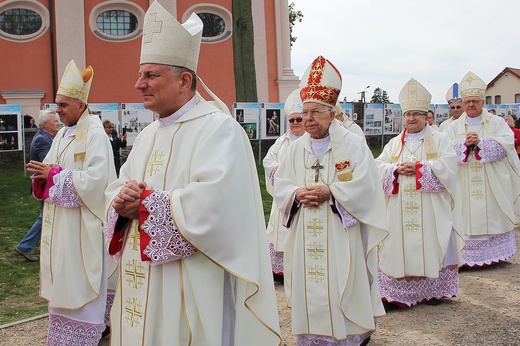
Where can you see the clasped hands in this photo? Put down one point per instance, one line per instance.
(312, 196)
(472, 139)
(406, 168)
(127, 201)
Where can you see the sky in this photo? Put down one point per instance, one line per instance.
(384, 43)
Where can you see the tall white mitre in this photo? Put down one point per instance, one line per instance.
(452, 95)
(165, 41)
(293, 104)
(414, 96)
(76, 84)
(472, 85)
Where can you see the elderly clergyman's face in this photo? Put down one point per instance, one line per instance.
(473, 106)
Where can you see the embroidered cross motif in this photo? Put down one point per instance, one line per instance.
(316, 168)
(315, 250)
(134, 274)
(151, 27)
(412, 226)
(410, 190)
(477, 195)
(476, 181)
(315, 227)
(133, 311)
(411, 208)
(412, 157)
(133, 237)
(48, 220)
(475, 167)
(316, 273)
(82, 134)
(46, 243)
(155, 163)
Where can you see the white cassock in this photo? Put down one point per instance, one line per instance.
(195, 269)
(330, 261)
(73, 260)
(488, 188)
(444, 125)
(276, 231)
(422, 245)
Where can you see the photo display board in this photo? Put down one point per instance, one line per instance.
(373, 122)
(393, 119)
(442, 113)
(247, 115)
(272, 120)
(134, 118)
(106, 111)
(11, 129)
(348, 109)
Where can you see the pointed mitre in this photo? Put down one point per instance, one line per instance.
(472, 85)
(321, 83)
(452, 95)
(293, 104)
(165, 41)
(414, 96)
(76, 84)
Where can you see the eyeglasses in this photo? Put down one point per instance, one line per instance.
(467, 102)
(314, 112)
(453, 107)
(298, 120)
(414, 114)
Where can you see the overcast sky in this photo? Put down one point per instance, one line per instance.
(384, 43)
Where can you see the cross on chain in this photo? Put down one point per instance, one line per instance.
(316, 168)
(134, 314)
(151, 27)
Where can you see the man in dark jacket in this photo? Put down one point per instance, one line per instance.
(40, 145)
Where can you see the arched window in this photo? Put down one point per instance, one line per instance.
(116, 21)
(23, 20)
(217, 21)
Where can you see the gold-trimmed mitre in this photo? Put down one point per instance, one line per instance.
(472, 85)
(321, 83)
(414, 96)
(452, 95)
(293, 104)
(76, 84)
(165, 41)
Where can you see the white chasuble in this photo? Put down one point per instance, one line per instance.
(419, 212)
(204, 164)
(72, 243)
(329, 269)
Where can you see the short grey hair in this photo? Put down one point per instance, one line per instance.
(177, 70)
(44, 116)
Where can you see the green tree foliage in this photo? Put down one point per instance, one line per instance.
(380, 96)
(294, 16)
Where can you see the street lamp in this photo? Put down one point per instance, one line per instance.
(363, 94)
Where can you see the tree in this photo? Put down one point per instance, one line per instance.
(380, 96)
(243, 52)
(294, 16)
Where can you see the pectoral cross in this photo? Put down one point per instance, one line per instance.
(317, 168)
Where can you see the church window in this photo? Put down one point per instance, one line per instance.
(23, 20)
(117, 21)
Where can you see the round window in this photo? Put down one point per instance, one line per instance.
(20, 21)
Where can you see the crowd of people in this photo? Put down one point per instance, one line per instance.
(173, 249)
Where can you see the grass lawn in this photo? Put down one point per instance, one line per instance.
(19, 279)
